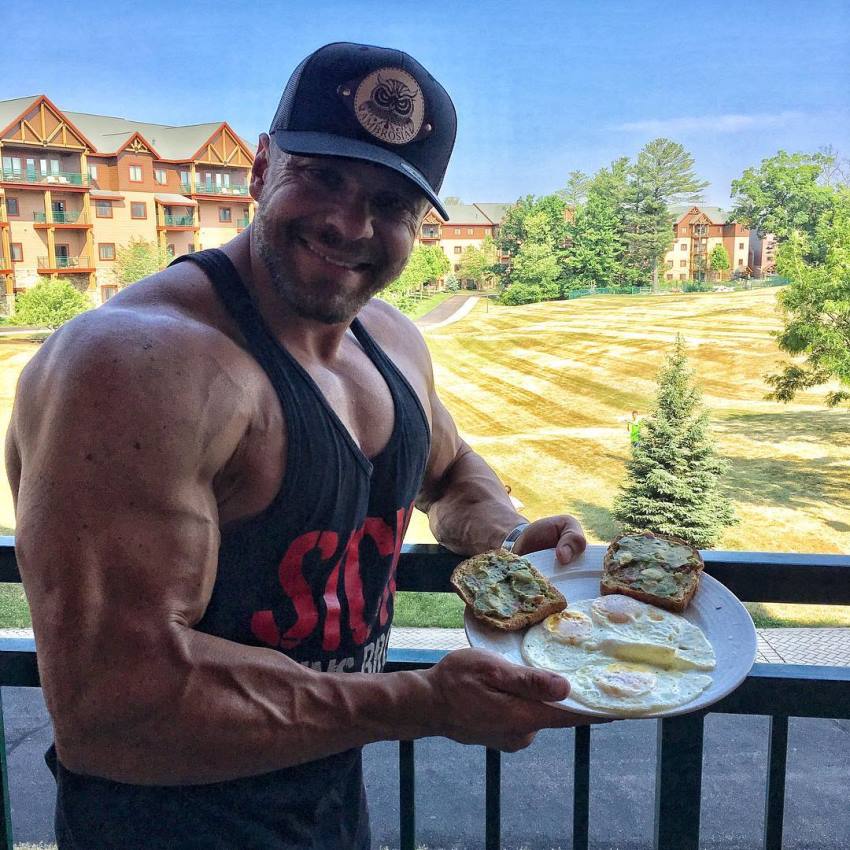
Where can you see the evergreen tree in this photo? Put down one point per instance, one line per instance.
(595, 245)
(674, 472)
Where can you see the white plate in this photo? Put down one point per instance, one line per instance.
(714, 608)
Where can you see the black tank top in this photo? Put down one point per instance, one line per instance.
(311, 576)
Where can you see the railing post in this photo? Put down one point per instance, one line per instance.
(407, 796)
(774, 805)
(581, 788)
(678, 782)
(6, 841)
(493, 801)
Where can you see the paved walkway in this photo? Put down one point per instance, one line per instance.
(826, 647)
(451, 310)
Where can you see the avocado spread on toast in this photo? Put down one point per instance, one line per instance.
(653, 565)
(501, 588)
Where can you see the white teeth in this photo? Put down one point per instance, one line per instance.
(340, 263)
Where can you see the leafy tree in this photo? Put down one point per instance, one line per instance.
(575, 192)
(596, 247)
(816, 308)
(662, 175)
(673, 484)
(49, 304)
(137, 259)
(786, 193)
(426, 263)
(534, 275)
(540, 220)
(719, 259)
(480, 264)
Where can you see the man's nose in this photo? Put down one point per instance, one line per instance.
(351, 217)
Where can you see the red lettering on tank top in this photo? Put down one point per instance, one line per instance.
(354, 589)
(291, 577)
(330, 636)
(401, 522)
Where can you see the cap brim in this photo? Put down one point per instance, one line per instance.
(327, 144)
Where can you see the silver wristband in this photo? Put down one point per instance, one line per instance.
(513, 536)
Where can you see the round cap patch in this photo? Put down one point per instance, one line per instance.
(389, 104)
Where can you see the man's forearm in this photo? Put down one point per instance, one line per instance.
(470, 512)
(235, 711)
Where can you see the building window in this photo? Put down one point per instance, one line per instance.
(106, 250)
(224, 214)
(191, 248)
(683, 247)
(103, 209)
(458, 249)
(457, 231)
(185, 179)
(170, 250)
(160, 175)
(106, 292)
(669, 277)
(740, 262)
(457, 267)
(470, 231)
(17, 252)
(12, 206)
(683, 231)
(138, 209)
(682, 276)
(135, 173)
(740, 244)
(92, 172)
(669, 264)
(683, 264)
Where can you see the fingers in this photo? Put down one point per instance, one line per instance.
(530, 684)
(563, 533)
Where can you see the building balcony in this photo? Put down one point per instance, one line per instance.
(65, 179)
(208, 189)
(69, 218)
(178, 221)
(243, 222)
(5, 265)
(53, 265)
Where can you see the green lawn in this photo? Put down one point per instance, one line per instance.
(420, 308)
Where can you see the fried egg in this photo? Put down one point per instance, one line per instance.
(622, 655)
(635, 688)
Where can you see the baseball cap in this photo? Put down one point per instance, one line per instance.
(373, 104)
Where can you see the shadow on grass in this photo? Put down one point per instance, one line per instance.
(832, 428)
(785, 482)
(596, 520)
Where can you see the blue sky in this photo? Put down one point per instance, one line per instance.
(541, 88)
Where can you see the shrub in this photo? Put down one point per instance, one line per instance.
(49, 304)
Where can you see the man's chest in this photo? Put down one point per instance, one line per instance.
(354, 395)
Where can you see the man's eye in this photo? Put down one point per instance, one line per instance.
(326, 177)
(394, 204)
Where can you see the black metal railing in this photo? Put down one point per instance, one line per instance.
(779, 691)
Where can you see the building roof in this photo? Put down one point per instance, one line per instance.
(11, 109)
(109, 133)
(716, 214)
(495, 212)
(466, 214)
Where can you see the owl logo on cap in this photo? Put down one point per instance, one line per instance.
(389, 105)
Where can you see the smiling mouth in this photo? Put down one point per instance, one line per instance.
(339, 263)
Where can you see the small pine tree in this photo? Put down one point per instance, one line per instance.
(674, 472)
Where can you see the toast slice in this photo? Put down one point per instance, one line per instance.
(505, 591)
(659, 569)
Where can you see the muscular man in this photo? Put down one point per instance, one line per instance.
(213, 474)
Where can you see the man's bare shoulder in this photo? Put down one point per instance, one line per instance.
(396, 333)
(144, 356)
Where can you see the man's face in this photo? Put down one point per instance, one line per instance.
(332, 232)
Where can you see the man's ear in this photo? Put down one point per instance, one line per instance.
(261, 166)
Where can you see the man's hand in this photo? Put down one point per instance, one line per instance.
(562, 533)
(480, 698)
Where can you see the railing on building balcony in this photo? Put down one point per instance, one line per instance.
(59, 178)
(60, 217)
(178, 220)
(212, 189)
(778, 691)
(243, 222)
(63, 262)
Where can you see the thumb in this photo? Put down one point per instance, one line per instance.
(534, 684)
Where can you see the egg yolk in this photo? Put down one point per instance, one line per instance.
(617, 608)
(569, 626)
(620, 682)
